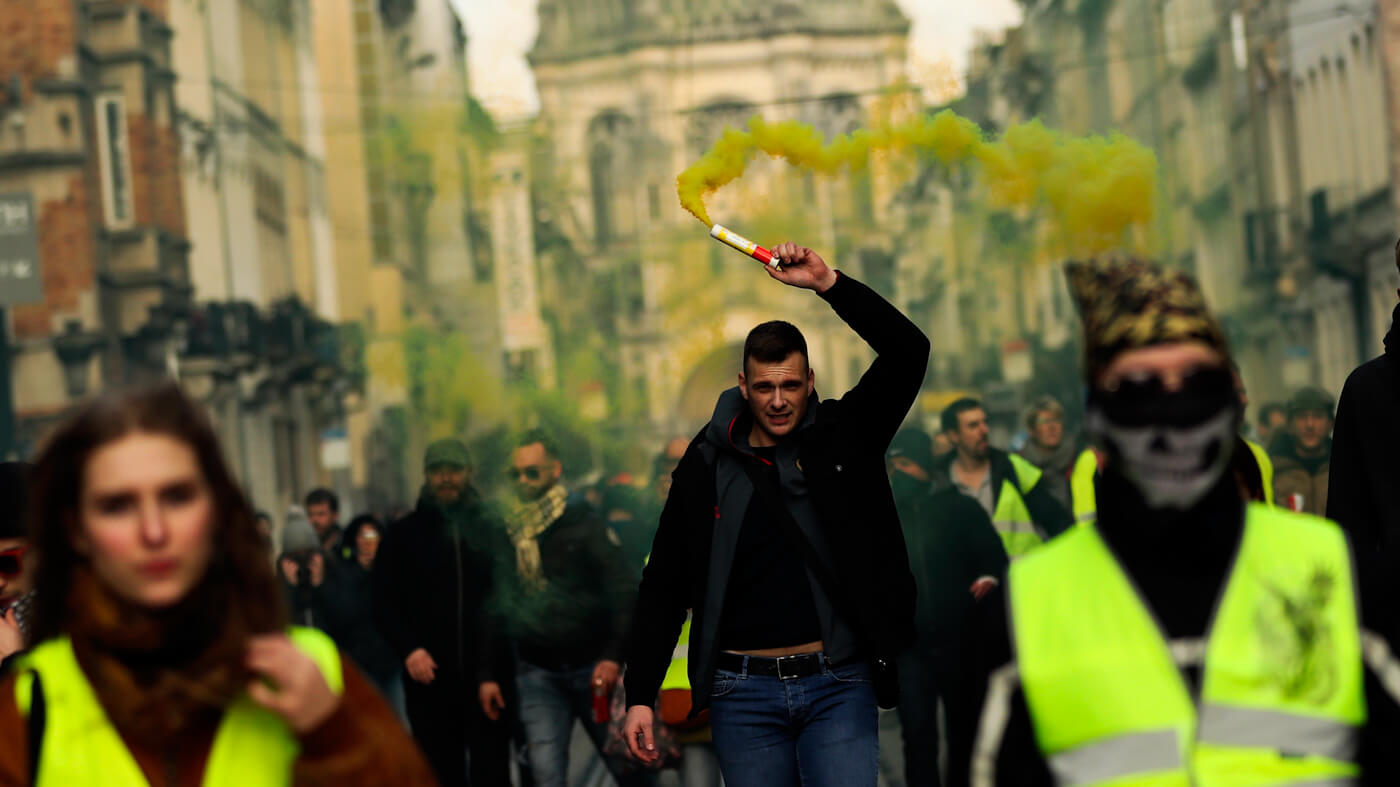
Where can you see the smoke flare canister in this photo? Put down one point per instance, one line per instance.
(745, 245)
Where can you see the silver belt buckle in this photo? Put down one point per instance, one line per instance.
(790, 660)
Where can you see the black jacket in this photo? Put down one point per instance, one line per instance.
(1180, 567)
(431, 584)
(580, 617)
(951, 544)
(1362, 495)
(361, 638)
(1047, 514)
(841, 455)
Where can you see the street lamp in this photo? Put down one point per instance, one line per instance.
(74, 349)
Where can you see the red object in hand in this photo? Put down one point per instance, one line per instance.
(602, 705)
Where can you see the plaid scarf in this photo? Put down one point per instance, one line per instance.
(526, 523)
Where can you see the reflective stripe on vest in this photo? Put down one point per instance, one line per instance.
(81, 748)
(678, 674)
(1266, 469)
(1081, 486)
(1012, 519)
(1282, 699)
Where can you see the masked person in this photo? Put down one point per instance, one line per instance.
(163, 655)
(16, 559)
(1185, 636)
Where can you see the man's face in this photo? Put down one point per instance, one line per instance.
(907, 466)
(534, 471)
(448, 483)
(970, 438)
(1049, 429)
(1311, 427)
(777, 393)
(322, 517)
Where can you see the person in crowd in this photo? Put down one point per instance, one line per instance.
(1302, 460)
(1049, 449)
(956, 558)
(942, 446)
(431, 581)
(263, 522)
(16, 560)
(568, 602)
(1249, 462)
(312, 581)
(163, 655)
(1182, 607)
(323, 511)
(1362, 495)
(780, 492)
(363, 641)
(1010, 489)
(624, 510)
(1272, 421)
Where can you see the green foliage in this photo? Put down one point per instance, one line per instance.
(479, 126)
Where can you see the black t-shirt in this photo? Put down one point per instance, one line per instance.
(768, 603)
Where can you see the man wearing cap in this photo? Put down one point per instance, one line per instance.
(1303, 455)
(431, 581)
(1185, 636)
(957, 558)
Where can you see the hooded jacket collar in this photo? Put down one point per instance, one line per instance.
(729, 426)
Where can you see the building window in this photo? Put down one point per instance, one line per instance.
(115, 161)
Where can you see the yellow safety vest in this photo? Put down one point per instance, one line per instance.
(1282, 699)
(678, 674)
(81, 748)
(1266, 469)
(1081, 486)
(1011, 518)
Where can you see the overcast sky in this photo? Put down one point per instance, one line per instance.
(501, 31)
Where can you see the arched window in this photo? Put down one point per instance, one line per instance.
(708, 122)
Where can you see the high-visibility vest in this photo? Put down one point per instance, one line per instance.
(81, 748)
(1011, 518)
(678, 674)
(1282, 699)
(1081, 486)
(1266, 469)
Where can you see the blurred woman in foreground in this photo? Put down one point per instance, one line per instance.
(163, 654)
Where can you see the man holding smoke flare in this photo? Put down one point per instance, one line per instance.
(780, 532)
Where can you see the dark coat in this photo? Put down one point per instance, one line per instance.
(1362, 494)
(431, 584)
(363, 641)
(951, 544)
(581, 616)
(842, 457)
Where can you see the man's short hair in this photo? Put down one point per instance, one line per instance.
(773, 342)
(1043, 405)
(542, 437)
(953, 412)
(319, 496)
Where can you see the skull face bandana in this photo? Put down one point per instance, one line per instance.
(1173, 446)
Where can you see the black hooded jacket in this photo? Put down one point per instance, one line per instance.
(840, 456)
(1362, 495)
(432, 582)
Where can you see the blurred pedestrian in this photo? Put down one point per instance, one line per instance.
(262, 521)
(363, 641)
(1302, 460)
(1249, 462)
(163, 656)
(323, 511)
(16, 559)
(567, 613)
(1181, 607)
(431, 583)
(629, 517)
(1011, 490)
(312, 580)
(956, 558)
(1049, 449)
(778, 495)
(1272, 420)
(1362, 494)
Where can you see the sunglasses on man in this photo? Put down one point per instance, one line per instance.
(12, 562)
(531, 473)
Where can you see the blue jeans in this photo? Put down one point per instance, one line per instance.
(817, 731)
(550, 701)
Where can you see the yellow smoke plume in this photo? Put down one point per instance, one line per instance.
(1096, 190)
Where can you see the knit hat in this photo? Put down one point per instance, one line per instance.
(447, 451)
(1128, 304)
(13, 497)
(298, 535)
(913, 444)
(1311, 399)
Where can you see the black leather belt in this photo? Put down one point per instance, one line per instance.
(784, 668)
